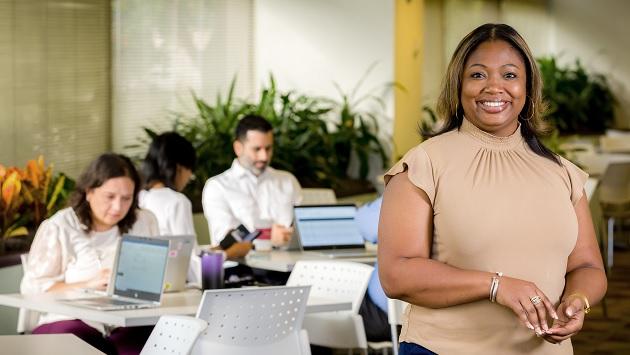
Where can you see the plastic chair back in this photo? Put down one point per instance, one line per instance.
(338, 280)
(263, 321)
(174, 335)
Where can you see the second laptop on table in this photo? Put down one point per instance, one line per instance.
(180, 250)
(330, 230)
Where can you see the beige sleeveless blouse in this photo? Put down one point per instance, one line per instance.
(497, 206)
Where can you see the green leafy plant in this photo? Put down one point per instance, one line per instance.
(579, 102)
(315, 137)
(356, 130)
(302, 141)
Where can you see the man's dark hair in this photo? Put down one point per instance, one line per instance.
(106, 166)
(166, 152)
(251, 123)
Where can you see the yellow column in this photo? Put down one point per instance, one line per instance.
(408, 54)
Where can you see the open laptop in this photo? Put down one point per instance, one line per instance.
(330, 230)
(180, 250)
(138, 276)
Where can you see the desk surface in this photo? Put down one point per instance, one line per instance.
(596, 163)
(55, 344)
(284, 261)
(181, 303)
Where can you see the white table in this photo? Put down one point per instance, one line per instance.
(180, 303)
(50, 344)
(596, 163)
(283, 261)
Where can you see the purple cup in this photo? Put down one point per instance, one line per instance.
(211, 270)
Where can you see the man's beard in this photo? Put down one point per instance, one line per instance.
(258, 169)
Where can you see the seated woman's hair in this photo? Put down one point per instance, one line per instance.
(106, 166)
(166, 152)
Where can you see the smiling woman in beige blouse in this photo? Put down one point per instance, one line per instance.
(485, 231)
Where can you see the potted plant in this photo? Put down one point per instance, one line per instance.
(302, 142)
(355, 135)
(29, 196)
(579, 102)
(314, 137)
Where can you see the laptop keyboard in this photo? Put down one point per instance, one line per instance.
(112, 301)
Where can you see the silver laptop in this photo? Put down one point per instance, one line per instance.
(330, 230)
(180, 250)
(137, 277)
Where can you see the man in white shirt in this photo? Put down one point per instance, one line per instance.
(251, 192)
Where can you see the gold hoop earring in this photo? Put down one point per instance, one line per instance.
(532, 111)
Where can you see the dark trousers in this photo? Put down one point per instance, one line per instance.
(375, 321)
(122, 341)
(413, 349)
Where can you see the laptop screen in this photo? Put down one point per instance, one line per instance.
(327, 227)
(140, 268)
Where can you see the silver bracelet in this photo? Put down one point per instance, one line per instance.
(494, 286)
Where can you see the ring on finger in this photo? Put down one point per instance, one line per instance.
(535, 300)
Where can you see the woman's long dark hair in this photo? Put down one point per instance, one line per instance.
(449, 107)
(166, 152)
(105, 167)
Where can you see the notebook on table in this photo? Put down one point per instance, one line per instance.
(180, 250)
(137, 276)
(330, 230)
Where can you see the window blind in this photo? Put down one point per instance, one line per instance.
(164, 50)
(54, 81)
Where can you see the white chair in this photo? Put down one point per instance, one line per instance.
(317, 196)
(174, 335)
(338, 280)
(261, 321)
(395, 309)
(27, 319)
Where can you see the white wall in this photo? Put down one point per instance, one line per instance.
(597, 34)
(308, 45)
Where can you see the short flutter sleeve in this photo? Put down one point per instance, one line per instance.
(577, 179)
(44, 267)
(419, 170)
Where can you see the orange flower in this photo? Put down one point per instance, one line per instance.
(11, 187)
(35, 171)
(25, 200)
(32, 173)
